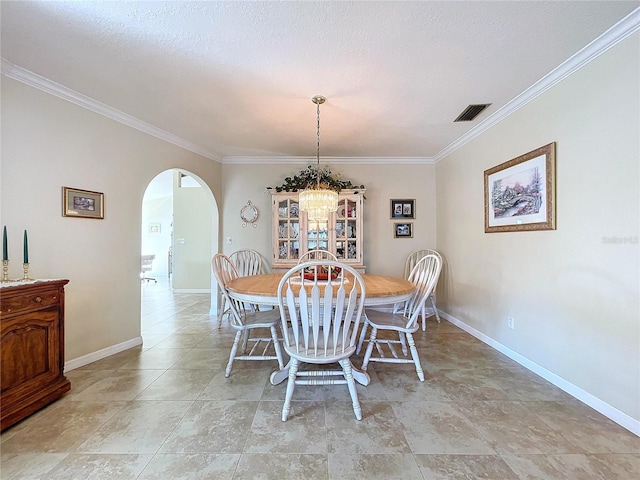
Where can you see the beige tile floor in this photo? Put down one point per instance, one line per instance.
(166, 411)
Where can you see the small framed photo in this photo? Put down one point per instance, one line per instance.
(82, 203)
(403, 208)
(154, 228)
(403, 230)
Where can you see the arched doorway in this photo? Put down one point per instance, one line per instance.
(179, 229)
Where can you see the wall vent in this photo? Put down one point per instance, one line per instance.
(471, 112)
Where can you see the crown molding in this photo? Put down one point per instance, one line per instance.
(41, 83)
(617, 33)
(325, 160)
(614, 35)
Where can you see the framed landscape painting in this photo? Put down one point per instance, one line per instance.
(519, 195)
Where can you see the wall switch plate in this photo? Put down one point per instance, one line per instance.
(229, 240)
(511, 323)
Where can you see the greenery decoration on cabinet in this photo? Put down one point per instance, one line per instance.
(308, 178)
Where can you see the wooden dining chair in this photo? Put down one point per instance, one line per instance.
(410, 262)
(245, 320)
(405, 323)
(247, 262)
(319, 321)
(317, 255)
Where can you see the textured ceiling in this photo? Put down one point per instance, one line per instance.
(236, 78)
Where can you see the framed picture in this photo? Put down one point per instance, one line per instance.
(519, 195)
(403, 230)
(403, 209)
(154, 228)
(82, 203)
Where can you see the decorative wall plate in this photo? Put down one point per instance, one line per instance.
(249, 214)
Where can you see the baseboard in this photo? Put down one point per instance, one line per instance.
(585, 397)
(100, 354)
(191, 290)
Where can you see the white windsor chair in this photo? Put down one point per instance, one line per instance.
(244, 319)
(319, 321)
(247, 262)
(411, 261)
(424, 276)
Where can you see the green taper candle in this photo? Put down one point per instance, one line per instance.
(5, 252)
(26, 248)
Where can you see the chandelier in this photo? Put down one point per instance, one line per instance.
(318, 201)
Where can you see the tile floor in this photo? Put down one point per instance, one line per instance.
(166, 411)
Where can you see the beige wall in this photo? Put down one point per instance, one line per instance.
(48, 143)
(384, 254)
(192, 245)
(574, 295)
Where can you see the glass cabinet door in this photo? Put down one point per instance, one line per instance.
(288, 229)
(318, 236)
(347, 236)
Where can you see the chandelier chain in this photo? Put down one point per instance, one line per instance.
(318, 141)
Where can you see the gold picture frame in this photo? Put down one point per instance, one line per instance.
(82, 203)
(520, 195)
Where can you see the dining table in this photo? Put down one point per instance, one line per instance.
(263, 290)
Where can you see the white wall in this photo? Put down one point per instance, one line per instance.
(573, 293)
(48, 143)
(384, 254)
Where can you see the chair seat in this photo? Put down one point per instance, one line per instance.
(389, 321)
(264, 318)
(319, 357)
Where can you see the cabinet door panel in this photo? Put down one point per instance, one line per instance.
(29, 351)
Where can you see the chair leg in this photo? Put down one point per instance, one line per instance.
(416, 358)
(222, 303)
(234, 350)
(245, 341)
(362, 335)
(435, 308)
(291, 385)
(403, 343)
(348, 375)
(276, 346)
(367, 354)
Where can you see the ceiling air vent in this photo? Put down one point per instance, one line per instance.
(471, 112)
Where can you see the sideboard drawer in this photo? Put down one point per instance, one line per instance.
(18, 304)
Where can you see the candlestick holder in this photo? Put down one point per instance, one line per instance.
(5, 271)
(25, 267)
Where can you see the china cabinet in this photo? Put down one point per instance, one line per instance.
(294, 235)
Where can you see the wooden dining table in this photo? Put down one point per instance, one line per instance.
(263, 290)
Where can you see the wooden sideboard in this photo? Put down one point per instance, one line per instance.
(31, 348)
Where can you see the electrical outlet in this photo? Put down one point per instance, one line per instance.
(229, 240)
(511, 323)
